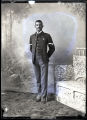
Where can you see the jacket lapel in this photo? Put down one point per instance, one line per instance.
(35, 37)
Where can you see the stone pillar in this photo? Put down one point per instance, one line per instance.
(79, 63)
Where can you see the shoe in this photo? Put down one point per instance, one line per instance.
(43, 100)
(38, 98)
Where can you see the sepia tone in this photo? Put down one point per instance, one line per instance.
(67, 71)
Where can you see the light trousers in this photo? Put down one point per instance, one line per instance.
(41, 72)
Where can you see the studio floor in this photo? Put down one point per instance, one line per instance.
(24, 105)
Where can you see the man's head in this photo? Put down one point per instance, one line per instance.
(38, 25)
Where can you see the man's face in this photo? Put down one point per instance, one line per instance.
(38, 26)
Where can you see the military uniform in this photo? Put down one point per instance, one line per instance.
(40, 58)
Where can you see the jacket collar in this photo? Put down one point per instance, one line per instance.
(39, 33)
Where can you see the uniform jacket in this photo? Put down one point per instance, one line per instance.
(44, 41)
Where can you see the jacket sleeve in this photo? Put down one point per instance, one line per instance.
(51, 46)
(30, 43)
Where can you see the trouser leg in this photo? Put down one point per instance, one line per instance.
(44, 79)
(38, 77)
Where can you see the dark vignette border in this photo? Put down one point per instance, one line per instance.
(49, 1)
(42, 1)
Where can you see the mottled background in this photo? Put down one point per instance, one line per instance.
(65, 22)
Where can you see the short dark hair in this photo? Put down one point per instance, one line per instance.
(39, 21)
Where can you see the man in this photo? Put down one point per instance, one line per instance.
(40, 58)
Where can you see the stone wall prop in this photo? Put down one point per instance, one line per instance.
(79, 63)
(70, 96)
(64, 72)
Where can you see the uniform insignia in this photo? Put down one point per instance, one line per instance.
(43, 38)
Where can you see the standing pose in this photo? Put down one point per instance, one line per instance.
(40, 58)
